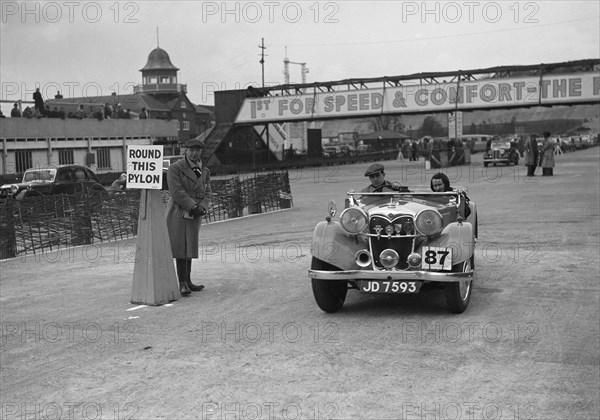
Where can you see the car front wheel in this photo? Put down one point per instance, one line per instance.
(458, 294)
(329, 294)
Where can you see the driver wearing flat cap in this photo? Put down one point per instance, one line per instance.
(376, 174)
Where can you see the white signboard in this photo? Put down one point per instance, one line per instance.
(455, 124)
(416, 97)
(144, 167)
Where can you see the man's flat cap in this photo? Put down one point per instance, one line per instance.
(196, 142)
(374, 168)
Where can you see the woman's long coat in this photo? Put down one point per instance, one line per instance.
(186, 190)
(548, 154)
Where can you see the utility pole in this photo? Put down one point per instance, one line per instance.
(262, 60)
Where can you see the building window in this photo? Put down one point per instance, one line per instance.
(23, 160)
(178, 124)
(103, 158)
(152, 80)
(183, 105)
(165, 79)
(65, 157)
(185, 125)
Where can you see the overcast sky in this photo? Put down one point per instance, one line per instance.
(92, 48)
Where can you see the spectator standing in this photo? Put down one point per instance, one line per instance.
(547, 155)
(143, 115)
(415, 149)
(15, 113)
(531, 155)
(39, 101)
(189, 185)
(521, 146)
(107, 111)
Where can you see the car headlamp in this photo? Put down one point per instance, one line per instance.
(353, 220)
(429, 222)
(389, 258)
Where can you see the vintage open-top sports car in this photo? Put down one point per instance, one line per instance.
(394, 242)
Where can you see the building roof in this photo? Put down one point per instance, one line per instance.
(133, 101)
(158, 59)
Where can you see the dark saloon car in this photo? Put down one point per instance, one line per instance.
(64, 179)
(501, 152)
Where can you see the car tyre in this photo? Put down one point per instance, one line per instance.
(330, 295)
(458, 294)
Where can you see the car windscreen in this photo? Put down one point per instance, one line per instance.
(500, 145)
(40, 175)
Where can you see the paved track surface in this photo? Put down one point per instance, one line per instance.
(254, 345)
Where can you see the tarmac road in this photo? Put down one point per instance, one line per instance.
(254, 345)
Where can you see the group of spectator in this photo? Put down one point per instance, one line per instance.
(41, 109)
(410, 150)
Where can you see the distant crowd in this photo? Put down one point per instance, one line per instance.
(41, 109)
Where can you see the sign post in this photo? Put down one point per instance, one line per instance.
(154, 279)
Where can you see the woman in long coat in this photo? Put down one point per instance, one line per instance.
(531, 156)
(547, 162)
(189, 185)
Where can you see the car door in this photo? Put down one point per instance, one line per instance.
(80, 178)
(63, 184)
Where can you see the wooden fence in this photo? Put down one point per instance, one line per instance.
(47, 223)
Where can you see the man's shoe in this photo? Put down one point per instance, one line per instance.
(184, 289)
(195, 288)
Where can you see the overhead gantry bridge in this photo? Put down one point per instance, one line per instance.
(271, 110)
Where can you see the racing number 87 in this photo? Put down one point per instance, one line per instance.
(437, 258)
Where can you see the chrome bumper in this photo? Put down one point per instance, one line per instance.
(503, 160)
(446, 277)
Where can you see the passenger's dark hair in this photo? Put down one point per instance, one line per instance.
(444, 179)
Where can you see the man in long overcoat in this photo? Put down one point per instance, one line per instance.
(531, 155)
(189, 185)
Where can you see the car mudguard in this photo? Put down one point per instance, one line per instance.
(333, 245)
(458, 236)
(473, 218)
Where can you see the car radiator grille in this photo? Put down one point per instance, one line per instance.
(401, 241)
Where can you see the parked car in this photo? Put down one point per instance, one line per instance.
(167, 161)
(395, 242)
(566, 143)
(63, 179)
(501, 152)
(348, 150)
(331, 151)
